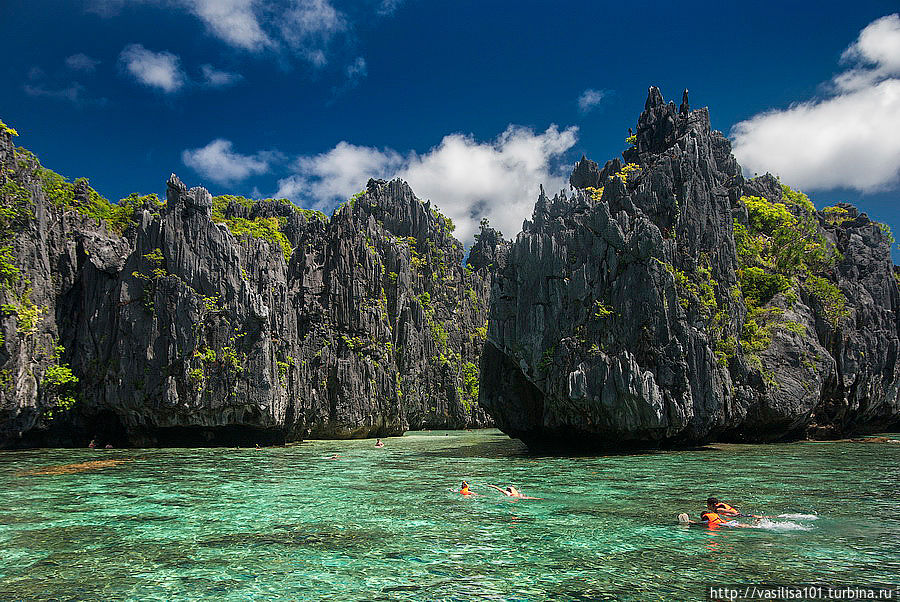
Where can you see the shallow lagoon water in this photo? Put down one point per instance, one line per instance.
(288, 523)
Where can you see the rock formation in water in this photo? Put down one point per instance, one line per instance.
(668, 300)
(226, 321)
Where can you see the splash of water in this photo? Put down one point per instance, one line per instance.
(799, 516)
(771, 525)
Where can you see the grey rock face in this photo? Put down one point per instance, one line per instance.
(180, 332)
(586, 174)
(617, 317)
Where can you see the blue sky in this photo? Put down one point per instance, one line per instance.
(475, 103)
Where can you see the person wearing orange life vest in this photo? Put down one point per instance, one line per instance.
(723, 509)
(464, 489)
(712, 519)
(717, 514)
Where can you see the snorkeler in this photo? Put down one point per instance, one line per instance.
(511, 491)
(464, 489)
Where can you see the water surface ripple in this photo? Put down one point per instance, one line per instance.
(289, 523)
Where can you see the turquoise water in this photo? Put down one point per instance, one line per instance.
(288, 523)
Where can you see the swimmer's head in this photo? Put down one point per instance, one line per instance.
(711, 502)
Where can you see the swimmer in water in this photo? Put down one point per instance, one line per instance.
(512, 492)
(711, 519)
(379, 443)
(464, 489)
(723, 509)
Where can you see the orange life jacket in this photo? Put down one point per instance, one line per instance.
(726, 508)
(712, 519)
(465, 491)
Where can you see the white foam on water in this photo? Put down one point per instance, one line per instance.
(799, 516)
(771, 525)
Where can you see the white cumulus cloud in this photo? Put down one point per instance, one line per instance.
(232, 21)
(467, 179)
(304, 28)
(846, 139)
(160, 70)
(218, 162)
(877, 50)
(589, 99)
(338, 174)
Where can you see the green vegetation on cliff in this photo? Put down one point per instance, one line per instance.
(58, 384)
(78, 196)
(157, 263)
(781, 251)
(270, 229)
(16, 212)
(468, 392)
(780, 239)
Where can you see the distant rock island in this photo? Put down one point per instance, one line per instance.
(665, 300)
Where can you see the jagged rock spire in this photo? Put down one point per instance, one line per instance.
(175, 183)
(586, 173)
(654, 98)
(685, 107)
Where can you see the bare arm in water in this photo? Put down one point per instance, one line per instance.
(513, 493)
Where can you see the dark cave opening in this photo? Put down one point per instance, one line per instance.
(105, 428)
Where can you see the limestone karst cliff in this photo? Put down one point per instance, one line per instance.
(664, 300)
(668, 300)
(201, 320)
